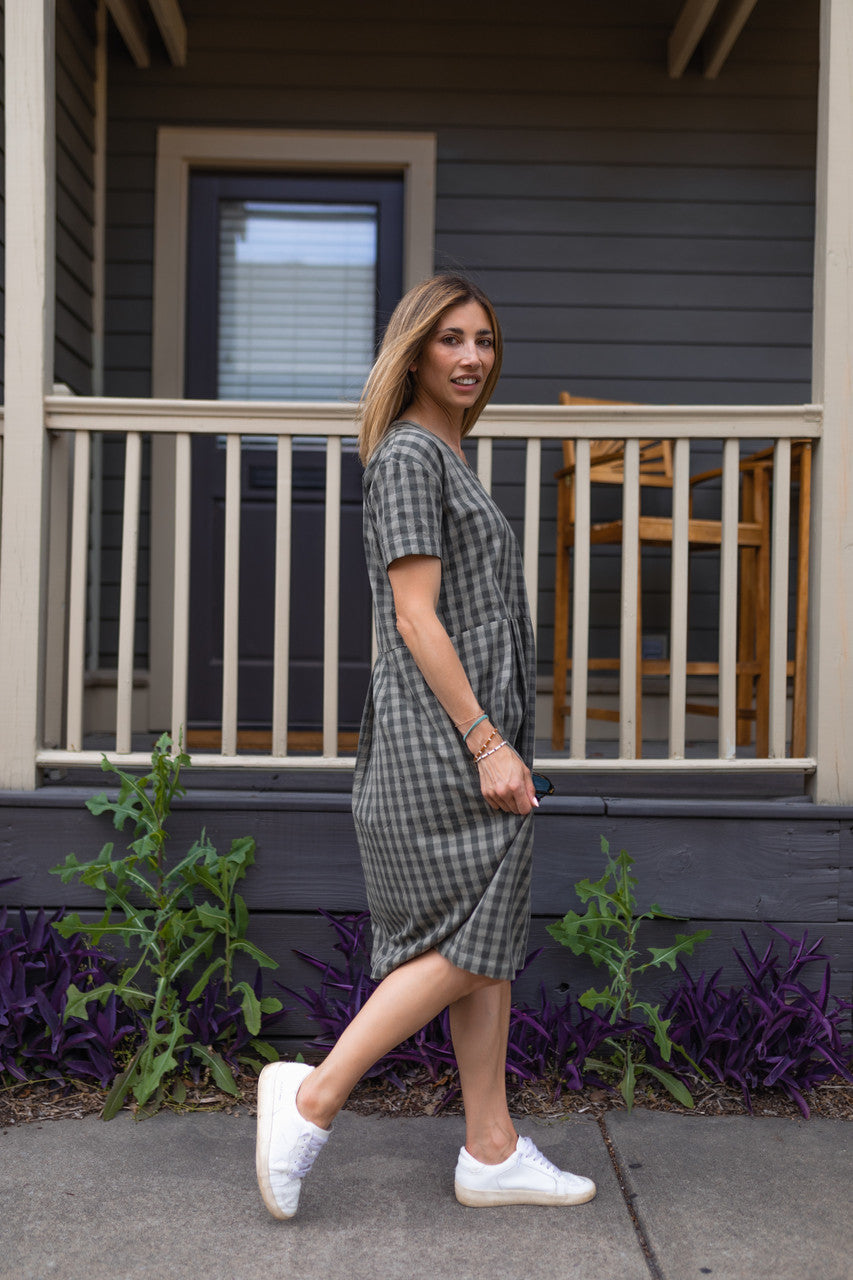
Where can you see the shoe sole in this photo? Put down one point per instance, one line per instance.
(266, 1111)
(493, 1199)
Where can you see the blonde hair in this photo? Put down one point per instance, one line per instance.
(391, 386)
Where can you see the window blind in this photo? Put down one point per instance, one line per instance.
(297, 300)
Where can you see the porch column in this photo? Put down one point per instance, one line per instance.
(830, 698)
(29, 85)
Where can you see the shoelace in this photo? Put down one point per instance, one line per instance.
(307, 1150)
(528, 1149)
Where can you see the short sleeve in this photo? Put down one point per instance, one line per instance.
(405, 503)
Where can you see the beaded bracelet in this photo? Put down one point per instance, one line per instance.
(470, 728)
(483, 754)
(483, 745)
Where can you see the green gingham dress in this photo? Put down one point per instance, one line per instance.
(443, 869)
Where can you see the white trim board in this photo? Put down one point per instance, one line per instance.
(179, 150)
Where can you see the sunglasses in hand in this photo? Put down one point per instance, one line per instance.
(542, 786)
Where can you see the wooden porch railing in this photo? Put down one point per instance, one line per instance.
(71, 419)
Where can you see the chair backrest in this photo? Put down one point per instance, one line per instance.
(607, 457)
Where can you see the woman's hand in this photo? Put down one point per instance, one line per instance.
(505, 780)
(506, 783)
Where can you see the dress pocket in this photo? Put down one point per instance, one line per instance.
(489, 655)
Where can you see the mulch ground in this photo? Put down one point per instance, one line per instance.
(26, 1103)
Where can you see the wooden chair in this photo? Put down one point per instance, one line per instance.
(754, 619)
(606, 467)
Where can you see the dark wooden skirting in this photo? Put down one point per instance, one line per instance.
(726, 865)
(608, 782)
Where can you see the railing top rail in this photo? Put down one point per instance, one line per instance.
(507, 422)
(54, 758)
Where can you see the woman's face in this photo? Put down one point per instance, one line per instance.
(456, 359)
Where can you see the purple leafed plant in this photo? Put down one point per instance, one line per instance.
(776, 1031)
(217, 1019)
(36, 967)
(543, 1041)
(555, 1040)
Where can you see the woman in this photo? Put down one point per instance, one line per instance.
(442, 797)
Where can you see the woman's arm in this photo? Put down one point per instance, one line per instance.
(415, 581)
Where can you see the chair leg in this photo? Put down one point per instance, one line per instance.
(762, 614)
(798, 728)
(561, 631)
(638, 699)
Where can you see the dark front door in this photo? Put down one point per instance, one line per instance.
(291, 280)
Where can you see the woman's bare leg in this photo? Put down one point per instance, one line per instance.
(403, 1002)
(479, 1025)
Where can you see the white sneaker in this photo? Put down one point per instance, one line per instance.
(287, 1143)
(525, 1178)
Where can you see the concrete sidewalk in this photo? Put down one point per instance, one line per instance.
(175, 1197)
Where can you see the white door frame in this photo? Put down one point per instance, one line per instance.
(178, 151)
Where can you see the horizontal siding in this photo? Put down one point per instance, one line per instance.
(2, 201)
(643, 239)
(75, 141)
(626, 189)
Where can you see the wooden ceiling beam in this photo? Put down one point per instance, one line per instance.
(723, 34)
(127, 18)
(689, 29)
(173, 29)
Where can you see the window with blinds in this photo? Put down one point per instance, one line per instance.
(296, 299)
(291, 278)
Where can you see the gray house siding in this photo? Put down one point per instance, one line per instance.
(643, 239)
(75, 112)
(75, 145)
(2, 203)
